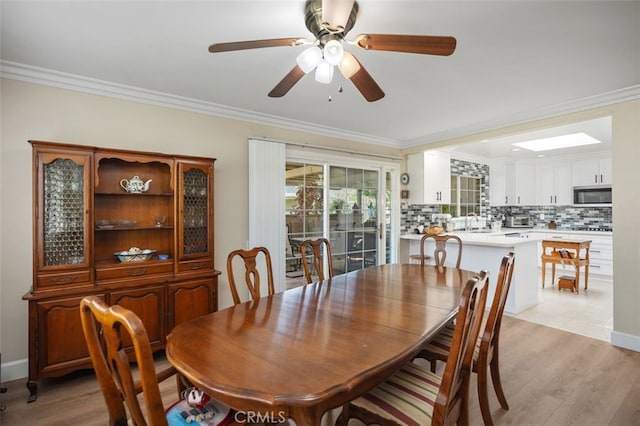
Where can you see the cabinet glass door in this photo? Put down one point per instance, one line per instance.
(63, 212)
(195, 208)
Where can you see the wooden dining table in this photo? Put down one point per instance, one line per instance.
(298, 353)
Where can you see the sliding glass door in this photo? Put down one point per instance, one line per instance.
(353, 224)
(350, 206)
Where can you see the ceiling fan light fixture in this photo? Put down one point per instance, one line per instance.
(324, 72)
(333, 52)
(349, 65)
(309, 59)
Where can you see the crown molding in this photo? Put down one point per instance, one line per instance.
(48, 77)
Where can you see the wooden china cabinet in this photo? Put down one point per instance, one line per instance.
(83, 214)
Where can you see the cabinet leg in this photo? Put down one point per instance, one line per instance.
(32, 385)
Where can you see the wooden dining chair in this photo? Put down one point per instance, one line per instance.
(252, 274)
(115, 337)
(316, 248)
(486, 355)
(440, 252)
(419, 257)
(416, 396)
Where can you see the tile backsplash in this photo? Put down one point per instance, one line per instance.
(565, 217)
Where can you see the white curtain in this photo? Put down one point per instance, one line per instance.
(267, 225)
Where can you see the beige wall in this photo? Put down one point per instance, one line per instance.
(626, 215)
(31, 111)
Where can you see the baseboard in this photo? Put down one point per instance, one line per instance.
(627, 341)
(15, 370)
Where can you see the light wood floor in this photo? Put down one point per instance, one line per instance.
(551, 377)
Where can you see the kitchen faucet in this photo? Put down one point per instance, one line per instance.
(466, 220)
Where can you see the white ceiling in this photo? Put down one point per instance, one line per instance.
(515, 60)
(503, 148)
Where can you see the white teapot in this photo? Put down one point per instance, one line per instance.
(135, 185)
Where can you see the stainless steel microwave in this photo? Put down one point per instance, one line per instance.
(597, 194)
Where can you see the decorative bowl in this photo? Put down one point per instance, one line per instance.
(158, 221)
(128, 256)
(433, 230)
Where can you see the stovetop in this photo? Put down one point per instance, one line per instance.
(593, 228)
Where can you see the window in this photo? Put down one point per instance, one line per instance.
(465, 195)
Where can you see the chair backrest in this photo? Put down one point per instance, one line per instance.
(491, 334)
(440, 252)
(288, 251)
(452, 401)
(251, 275)
(112, 364)
(316, 248)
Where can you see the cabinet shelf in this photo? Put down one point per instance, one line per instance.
(135, 228)
(128, 194)
(115, 263)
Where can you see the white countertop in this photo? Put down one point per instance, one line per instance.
(490, 239)
(498, 239)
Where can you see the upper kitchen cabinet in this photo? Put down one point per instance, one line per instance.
(430, 173)
(501, 183)
(553, 183)
(525, 184)
(592, 171)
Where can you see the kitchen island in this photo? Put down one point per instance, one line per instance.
(485, 251)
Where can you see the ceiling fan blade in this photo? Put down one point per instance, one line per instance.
(255, 44)
(427, 45)
(366, 84)
(287, 82)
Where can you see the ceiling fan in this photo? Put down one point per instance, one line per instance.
(330, 21)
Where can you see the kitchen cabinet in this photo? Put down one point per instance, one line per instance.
(430, 177)
(525, 184)
(553, 186)
(86, 210)
(592, 171)
(501, 183)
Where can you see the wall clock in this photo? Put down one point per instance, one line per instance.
(404, 178)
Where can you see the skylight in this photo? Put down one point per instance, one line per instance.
(558, 142)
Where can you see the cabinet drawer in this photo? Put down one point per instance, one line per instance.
(601, 253)
(195, 265)
(59, 279)
(601, 267)
(141, 269)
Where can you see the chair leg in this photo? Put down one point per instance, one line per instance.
(483, 394)
(433, 363)
(343, 418)
(497, 383)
